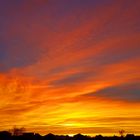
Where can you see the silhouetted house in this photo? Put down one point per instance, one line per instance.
(137, 137)
(115, 138)
(4, 135)
(99, 137)
(28, 136)
(37, 136)
(79, 137)
(50, 137)
(130, 136)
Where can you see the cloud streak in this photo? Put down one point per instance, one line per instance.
(70, 67)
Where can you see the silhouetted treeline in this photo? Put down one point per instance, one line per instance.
(5, 135)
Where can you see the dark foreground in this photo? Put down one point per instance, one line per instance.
(4, 135)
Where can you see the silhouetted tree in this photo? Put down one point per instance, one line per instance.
(121, 132)
(17, 131)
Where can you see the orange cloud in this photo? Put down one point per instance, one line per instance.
(62, 66)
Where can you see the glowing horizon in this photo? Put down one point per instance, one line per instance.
(69, 67)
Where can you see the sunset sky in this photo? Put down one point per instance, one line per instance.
(70, 66)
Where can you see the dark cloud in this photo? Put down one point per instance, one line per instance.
(71, 79)
(17, 53)
(126, 92)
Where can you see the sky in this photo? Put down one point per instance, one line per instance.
(70, 66)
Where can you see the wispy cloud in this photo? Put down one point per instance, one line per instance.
(71, 65)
